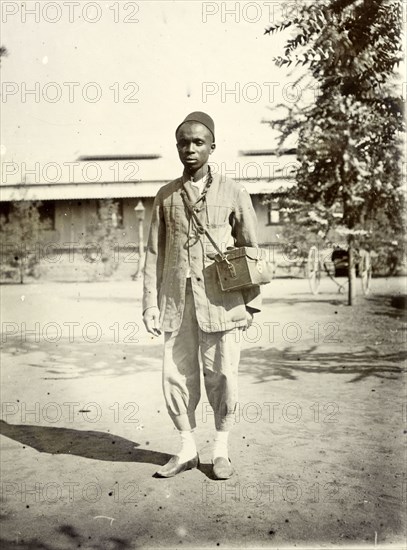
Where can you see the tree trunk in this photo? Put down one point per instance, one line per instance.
(21, 270)
(351, 272)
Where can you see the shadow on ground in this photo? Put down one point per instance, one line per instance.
(263, 363)
(304, 299)
(266, 364)
(76, 541)
(65, 360)
(391, 306)
(87, 444)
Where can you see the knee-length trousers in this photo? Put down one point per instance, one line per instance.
(185, 351)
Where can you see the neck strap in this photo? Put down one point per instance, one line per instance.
(202, 196)
(200, 228)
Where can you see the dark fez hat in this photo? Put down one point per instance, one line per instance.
(202, 118)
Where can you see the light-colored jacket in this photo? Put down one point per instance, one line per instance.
(174, 250)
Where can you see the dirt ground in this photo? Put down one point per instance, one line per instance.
(318, 445)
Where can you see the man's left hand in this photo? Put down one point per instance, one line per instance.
(249, 318)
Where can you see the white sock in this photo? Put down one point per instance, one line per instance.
(220, 446)
(188, 446)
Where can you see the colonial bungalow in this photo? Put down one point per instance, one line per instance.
(68, 206)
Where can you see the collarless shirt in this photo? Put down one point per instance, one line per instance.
(199, 185)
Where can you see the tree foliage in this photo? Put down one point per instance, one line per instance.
(21, 234)
(104, 233)
(3, 52)
(349, 138)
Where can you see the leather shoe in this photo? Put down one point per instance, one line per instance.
(174, 466)
(222, 468)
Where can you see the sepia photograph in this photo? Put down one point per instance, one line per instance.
(203, 274)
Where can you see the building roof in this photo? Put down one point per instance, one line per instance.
(114, 190)
(66, 191)
(262, 175)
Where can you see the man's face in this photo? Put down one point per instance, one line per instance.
(194, 144)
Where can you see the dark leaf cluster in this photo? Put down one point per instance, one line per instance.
(350, 138)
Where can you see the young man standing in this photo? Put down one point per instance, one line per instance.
(182, 294)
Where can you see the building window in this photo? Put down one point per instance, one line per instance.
(274, 214)
(47, 214)
(117, 214)
(5, 208)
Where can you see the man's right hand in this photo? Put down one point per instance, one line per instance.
(151, 318)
